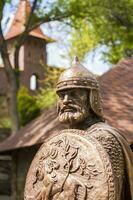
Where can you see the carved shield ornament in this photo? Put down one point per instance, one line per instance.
(70, 166)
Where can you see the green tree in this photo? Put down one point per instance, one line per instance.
(27, 106)
(47, 95)
(103, 23)
(46, 98)
(51, 77)
(41, 12)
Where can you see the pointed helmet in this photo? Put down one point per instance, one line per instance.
(78, 76)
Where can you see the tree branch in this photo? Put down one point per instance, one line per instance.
(12, 93)
(4, 52)
(47, 19)
(122, 20)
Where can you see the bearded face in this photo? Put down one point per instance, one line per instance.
(73, 106)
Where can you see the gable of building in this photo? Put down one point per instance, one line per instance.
(19, 21)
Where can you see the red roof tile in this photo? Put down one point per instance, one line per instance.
(19, 21)
(117, 94)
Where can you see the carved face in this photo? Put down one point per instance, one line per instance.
(73, 105)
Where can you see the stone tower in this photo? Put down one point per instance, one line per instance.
(32, 53)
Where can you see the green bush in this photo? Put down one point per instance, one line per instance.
(5, 122)
(47, 95)
(27, 106)
(46, 98)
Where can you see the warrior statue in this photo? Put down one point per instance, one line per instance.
(88, 161)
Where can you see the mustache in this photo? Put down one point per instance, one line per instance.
(69, 107)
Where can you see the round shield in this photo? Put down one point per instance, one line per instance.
(70, 166)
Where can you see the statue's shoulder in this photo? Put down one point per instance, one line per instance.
(109, 138)
(103, 131)
(107, 135)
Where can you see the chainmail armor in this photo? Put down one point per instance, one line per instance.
(114, 150)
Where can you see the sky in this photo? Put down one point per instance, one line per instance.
(94, 63)
(57, 51)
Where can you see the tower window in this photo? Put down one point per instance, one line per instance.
(33, 82)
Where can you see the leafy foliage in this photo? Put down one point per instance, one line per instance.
(27, 106)
(95, 23)
(47, 96)
(83, 40)
(51, 76)
(108, 23)
(5, 122)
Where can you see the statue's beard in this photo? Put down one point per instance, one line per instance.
(74, 116)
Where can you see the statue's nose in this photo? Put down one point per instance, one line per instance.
(66, 99)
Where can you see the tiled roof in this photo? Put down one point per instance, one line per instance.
(35, 132)
(19, 21)
(117, 93)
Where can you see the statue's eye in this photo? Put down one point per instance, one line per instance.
(61, 95)
(73, 94)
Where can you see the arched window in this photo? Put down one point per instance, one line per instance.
(33, 82)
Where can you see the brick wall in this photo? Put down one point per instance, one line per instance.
(32, 53)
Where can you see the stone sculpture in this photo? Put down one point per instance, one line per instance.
(88, 161)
